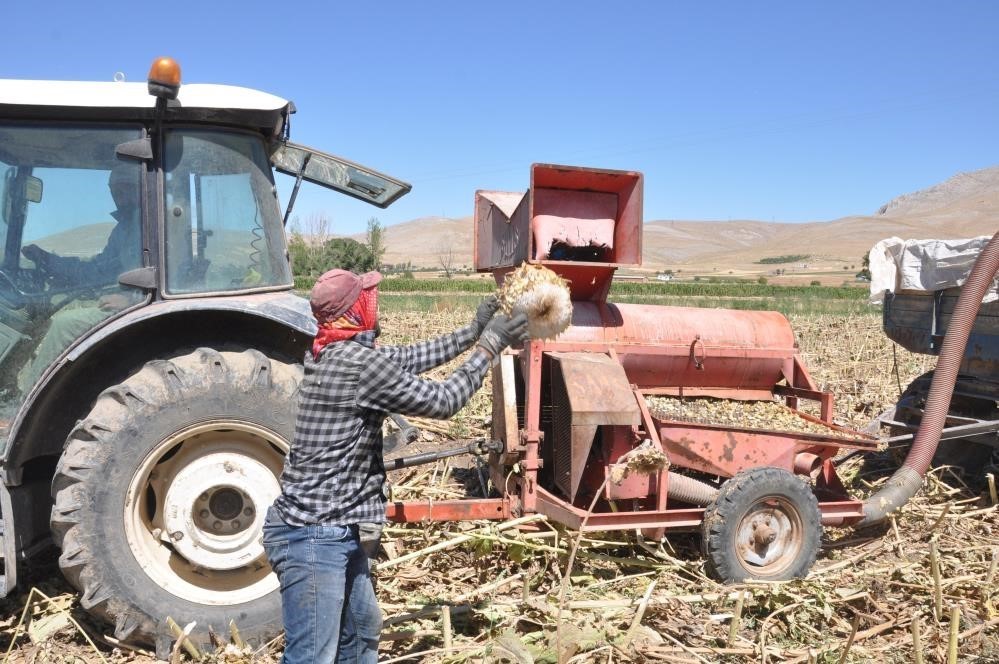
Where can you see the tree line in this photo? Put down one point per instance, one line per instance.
(313, 248)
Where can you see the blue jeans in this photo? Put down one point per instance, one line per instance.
(328, 604)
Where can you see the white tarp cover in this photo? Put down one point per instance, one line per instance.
(923, 265)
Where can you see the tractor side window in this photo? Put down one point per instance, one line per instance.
(223, 226)
(72, 224)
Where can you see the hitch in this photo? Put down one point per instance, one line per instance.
(477, 447)
(406, 434)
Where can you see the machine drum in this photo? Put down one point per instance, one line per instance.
(765, 524)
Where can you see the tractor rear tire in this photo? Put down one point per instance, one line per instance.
(765, 524)
(161, 492)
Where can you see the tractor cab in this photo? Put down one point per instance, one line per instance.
(112, 198)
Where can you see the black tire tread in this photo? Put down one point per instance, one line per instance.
(158, 384)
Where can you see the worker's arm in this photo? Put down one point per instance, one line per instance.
(387, 386)
(426, 355)
(102, 269)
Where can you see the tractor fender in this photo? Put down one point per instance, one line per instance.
(281, 311)
(277, 324)
(286, 308)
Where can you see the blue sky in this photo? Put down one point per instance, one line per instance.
(786, 111)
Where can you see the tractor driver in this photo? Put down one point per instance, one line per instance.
(122, 253)
(334, 475)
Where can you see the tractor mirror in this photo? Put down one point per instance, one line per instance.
(33, 189)
(140, 149)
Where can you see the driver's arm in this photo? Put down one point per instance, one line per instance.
(103, 268)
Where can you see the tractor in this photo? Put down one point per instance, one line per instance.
(150, 341)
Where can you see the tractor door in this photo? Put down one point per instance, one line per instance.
(70, 220)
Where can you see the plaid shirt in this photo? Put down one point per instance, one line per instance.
(334, 472)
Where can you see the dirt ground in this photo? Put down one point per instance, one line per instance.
(924, 583)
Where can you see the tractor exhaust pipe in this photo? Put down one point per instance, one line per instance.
(907, 480)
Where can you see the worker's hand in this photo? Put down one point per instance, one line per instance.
(37, 255)
(501, 332)
(484, 313)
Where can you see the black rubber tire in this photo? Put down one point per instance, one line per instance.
(103, 454)
(737, 499)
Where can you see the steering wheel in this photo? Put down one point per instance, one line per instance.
(11, 292)
(34, 291)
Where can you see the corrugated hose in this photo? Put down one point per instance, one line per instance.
(907, 480)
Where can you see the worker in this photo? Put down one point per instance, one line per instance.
(334, 476)
(100, 272)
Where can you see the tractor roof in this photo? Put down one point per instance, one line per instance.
(87, 100)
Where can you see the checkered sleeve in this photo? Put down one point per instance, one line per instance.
(426, 355)
(390, 388)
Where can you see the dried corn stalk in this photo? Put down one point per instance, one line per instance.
(769, 415)
(541, 295)
(644, 459)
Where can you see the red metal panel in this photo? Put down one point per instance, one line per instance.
(558, 510)
(618, 441)
(686, 347)
(410, 511)
(570, 191)
(531, 370)
(501, 229)
(722, 451)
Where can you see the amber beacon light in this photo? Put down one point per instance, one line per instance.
(164, 78)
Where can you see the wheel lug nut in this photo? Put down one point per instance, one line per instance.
(217, 525)
(176, 536)
(236, 524)
(203, 497)
(248, 511)
(203, 514)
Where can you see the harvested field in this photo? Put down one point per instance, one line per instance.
(489, 592)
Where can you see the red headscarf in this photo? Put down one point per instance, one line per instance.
(360, 317)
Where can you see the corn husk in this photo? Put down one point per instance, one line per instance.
(541, 295)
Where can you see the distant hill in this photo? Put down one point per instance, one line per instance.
(965, 205)
(976, 192)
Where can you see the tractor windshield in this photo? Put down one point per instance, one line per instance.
(70, 224)
(223, 225)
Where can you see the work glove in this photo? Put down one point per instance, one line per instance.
(501, 332)
(484, 313)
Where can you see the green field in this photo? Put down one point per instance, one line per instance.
(398, 294)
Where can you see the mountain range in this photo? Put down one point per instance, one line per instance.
(965, 205)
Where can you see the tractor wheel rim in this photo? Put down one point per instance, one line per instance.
(195, 508)
(769, 536)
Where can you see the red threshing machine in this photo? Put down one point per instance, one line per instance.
(568, 412)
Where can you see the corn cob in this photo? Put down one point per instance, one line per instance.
(540, 294)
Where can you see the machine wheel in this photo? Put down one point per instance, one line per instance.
(161, 493)
(765, 524)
